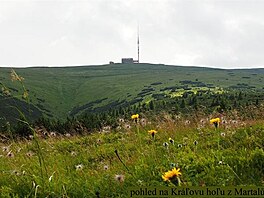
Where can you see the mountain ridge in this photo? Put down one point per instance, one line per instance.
(58, 91)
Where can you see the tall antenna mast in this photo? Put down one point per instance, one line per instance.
(138, 44)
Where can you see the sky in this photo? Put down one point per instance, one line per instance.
(214, 33)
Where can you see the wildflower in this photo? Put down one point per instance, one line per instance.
(68, 135)
(29, 154)
(5, 148)
(143, 122)
(73, 153)
(171, 140)
(106, 129)
(31, 137)
(79, 167)
(223, 134)
(172, 165)
(187, 122)
(120, 178)
(177, 117)
(135, 117)
(220, 162)
(106, 167)
(53, 134)
(195, 142)
(165, 144)
(171, 175)
(10, 154)
(179, 145)
(152, 132)
(127, 126)
(46, 134)
(234, 122)
(121, 120)
(98, 141)
(16, 172)
(224, 122)
(215, 121)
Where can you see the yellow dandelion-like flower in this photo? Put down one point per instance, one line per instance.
(152, 132)
(215, 121)
(172, 174)
(135, 116)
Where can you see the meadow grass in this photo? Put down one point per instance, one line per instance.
(106, 164)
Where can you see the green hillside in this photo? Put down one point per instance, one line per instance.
(67, 91)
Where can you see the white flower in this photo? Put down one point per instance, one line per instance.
(5, 149)
(127, 126)
(223, 134)
(10, 154)
(165, 144)
(120, 178)
(121, 120)
(30, 154)
(79, 167)
(16, 172)
(53, 134)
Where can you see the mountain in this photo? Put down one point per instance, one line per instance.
(68, 91)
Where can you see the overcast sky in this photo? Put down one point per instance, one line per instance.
(226, 33)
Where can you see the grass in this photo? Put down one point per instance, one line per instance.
(94, 165)
(62, 89)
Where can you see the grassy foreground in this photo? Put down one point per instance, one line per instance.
(106, 164)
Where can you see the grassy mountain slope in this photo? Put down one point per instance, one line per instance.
(60, 92)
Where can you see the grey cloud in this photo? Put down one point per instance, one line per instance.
(181, 32)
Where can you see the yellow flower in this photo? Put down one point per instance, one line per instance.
(152, 132)
(168, 176)
(135, 116)
(215, 120)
